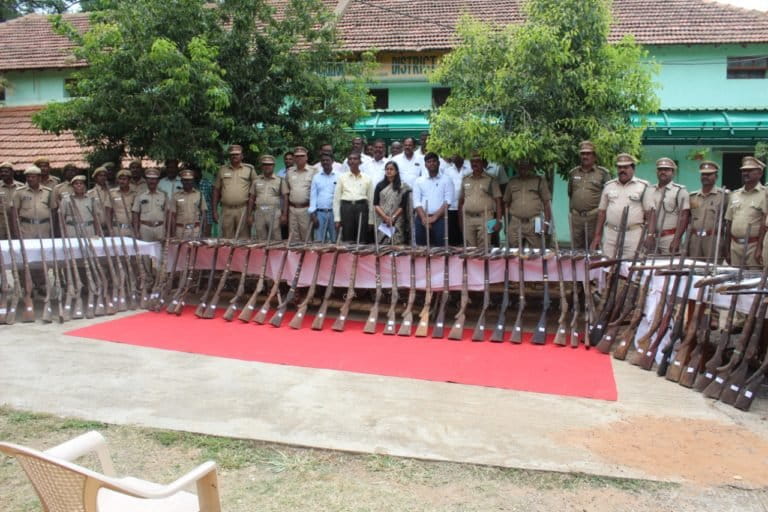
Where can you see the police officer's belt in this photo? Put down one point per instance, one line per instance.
(233, 206)
(265, 208)
(73, 223)
(668, 232)
(752, 240)
(124, 226)
(359, 201)
(188, 226)
(298, 205)
(704, 232)
(152, 224)
(629, 228)
(33, 221)
(324, 210)
(522, 219)
(585, 213)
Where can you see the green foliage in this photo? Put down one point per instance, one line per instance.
(533, 91)
(761, 151)
(229, 74)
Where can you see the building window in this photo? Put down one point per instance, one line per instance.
(2, 93)
(439, 95)
(380, 98)
(69, 87)
(747, 67)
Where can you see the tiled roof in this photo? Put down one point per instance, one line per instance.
(29, 42)
(22, 143)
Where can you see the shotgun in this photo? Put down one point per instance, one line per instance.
(74, 282)
(317, 323)
(498, 332)
(47, 309)
(517, 330)
(560, 337)
(229, 314)
(389, 329)
(438, 331)
(301, 311)
(203, 304)
(28, 315)
(338, 325)
(15, 293)
(277, 318)
(373, 316)
(457, 331)
(261, 314)
(423, 327)
(479, 333)
(610, 296)
(407, 323)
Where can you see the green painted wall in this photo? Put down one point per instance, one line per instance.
(35, 87)
(408, 96)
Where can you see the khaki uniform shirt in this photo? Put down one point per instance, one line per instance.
(635, 193)
(188, 206)
(676, 200)
(480, 193)
(138, 187)
(33, 204)
(704, 208)
(235, 184)
(267, 191)
(297, 184)
(747, 208)
(51, 182)
(122, 202)
(101, 197)
(353, 188)
(86, 207)
(6, 199)
(61, 191)
(150, 207)
(586, 187)
(525, 197)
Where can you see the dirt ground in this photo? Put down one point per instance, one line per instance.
(270, 477)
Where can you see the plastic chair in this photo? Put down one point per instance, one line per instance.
(63, 486)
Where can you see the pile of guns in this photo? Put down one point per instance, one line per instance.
(684, 346)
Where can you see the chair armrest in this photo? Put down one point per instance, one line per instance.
(154, 491)
(81, 445)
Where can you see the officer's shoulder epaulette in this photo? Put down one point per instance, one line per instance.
(249, 166)
(574, 170)
(43, 187)
(603, 169)
(614, 180)
(644, 182)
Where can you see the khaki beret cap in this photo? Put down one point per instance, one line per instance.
(235, 149)
(98, 171)
(6, 165)
(665, 163)
(151, 173)
(299, 150)
(124, 172)
(42, 160)
(750, 162)
(586, 147)
(625, 159)
(32, 169)
(79, 177)
(267, 159)
(707, 166)
(187, 175)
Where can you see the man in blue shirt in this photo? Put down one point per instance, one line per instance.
(321, 200)
(432, 195)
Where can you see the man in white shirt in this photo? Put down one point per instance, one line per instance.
(395, 149)
(338, 168)
(358, 144)
(374, 168)
(432, 196)
(422, 149)
(171, 183)
(455, 171)
(409, 164)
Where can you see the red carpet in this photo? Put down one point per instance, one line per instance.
(526, 367)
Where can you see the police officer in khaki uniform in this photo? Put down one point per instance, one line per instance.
(526, 198)
(747, 206)
(32, 206)
(100, 192)
(187, 208)
(138, 183)
(673, 209)
(480, 195)
(120, 206)
(46, 179)
(79, 210)
(585, 186)
(296, 188)
(626, 190)
(705, 206)
(264, 201)
(232, 186)
(149, 210)
(7, 187)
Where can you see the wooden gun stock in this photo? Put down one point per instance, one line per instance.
(627, 336)
(457, 330)
(389, 329)
(317, 322)
(373, 315)
(261, 315)
(28, 315)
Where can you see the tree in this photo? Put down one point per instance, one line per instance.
(533, 91)
(10, 9)
(230, 73)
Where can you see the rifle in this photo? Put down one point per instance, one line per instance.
(118, 294)
(439, 329)
(574, 294)
(703, 379)
(47, 310)
(15, 294)
(457, 331)
(301, 311)
(479, 333)
(540, 336)
(373, 316)
(156, 297)
(140, 261)
(423, 326)
(338, 325)
(247, 313)
(261, 315)
(730, 377)
(389, 329)
(113, 261)
(517, 330)
(407, 323)
(229, 314)
(277, 318)
(74, 283)
(89, 255)
(61, 313)
(317, 323)
(589, 303)
(498, 332)
(610, 296)
(176, 302)
(29, 309)
(127, 283)
(5, 286)
(749, 389)
(203, 304)
(561, 322)
(210, 309)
